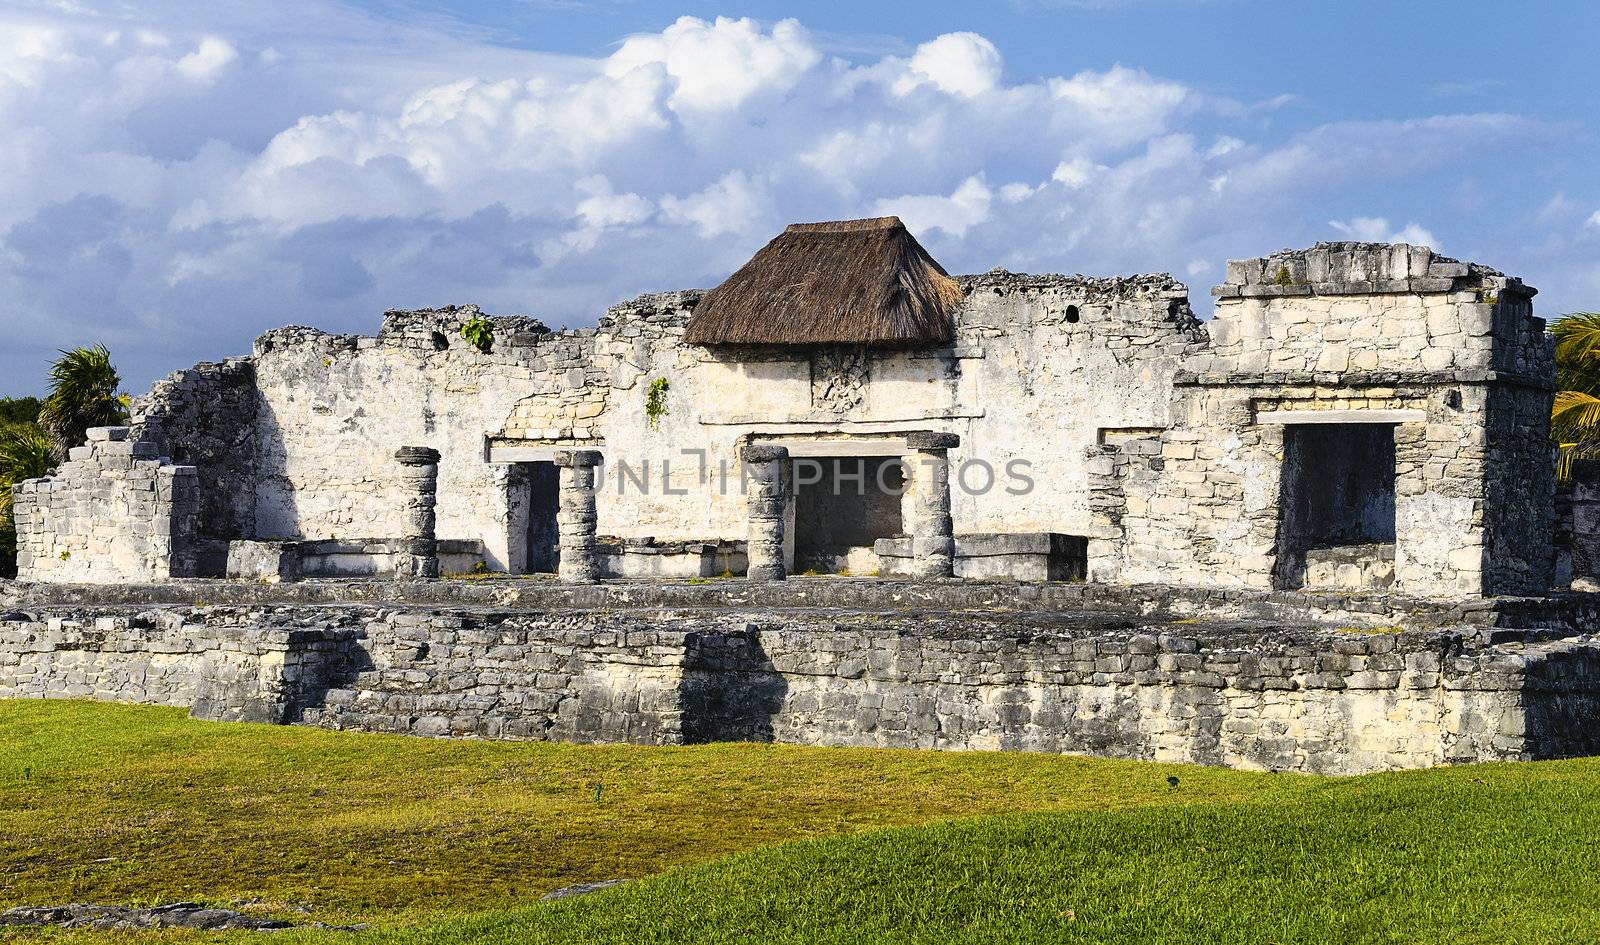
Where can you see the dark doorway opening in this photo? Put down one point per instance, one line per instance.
(538, 485)
(1336, 505)
(841, 506)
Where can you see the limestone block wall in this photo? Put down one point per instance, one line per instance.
(1337, 704)
(116, 511)
(1256, 697)
(334, 408)
(204, 417)
(566, 678)
(1452, 360)
(1041, 366)
(222, 667)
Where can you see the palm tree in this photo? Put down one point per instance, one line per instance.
(1575, 418)
(83, 394)
(26, 452)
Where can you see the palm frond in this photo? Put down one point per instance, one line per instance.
(1575, 417)
(83, 394)
(26, 452)
(1570, 454)
(1578, 352)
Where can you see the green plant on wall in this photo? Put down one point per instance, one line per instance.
(479, 332)
(1283, 277)
(655, 401)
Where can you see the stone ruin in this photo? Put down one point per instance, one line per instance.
(1348, 467)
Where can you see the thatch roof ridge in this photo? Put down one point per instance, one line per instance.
(865, 282)
(846, 226)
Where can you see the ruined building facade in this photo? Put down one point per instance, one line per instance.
(1356, 416)
(1313, 533)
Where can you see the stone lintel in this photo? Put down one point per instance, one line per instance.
(1341, 416)
(863, 447)
(1352, 379)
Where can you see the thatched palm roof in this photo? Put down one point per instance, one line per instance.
(848, 282)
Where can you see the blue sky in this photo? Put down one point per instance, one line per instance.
(177, 176)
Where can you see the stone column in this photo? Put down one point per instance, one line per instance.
(767, 485)
(925, 504)
(576, 518)
(418, 556)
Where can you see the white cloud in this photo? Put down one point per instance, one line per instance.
(962, 64)
(1075, 173)
(300, 162)
(719, 65)
(1017, 191)
(1224, 146)
(733, 204)
(965, 207)
(1378, 230)
(207, 61)
(1128, 101)
(1594, 219)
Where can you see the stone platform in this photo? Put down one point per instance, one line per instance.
(1295, 682)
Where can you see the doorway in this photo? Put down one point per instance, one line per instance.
(842, 505)
(1336, 526)
(536, 497)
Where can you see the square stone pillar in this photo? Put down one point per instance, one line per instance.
(925, 504)
(576, 518)
(418, 556)
(766, 471)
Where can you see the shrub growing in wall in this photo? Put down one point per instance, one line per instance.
(479, 332)
(655, 401)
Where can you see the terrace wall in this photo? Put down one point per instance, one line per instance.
(1241, 695)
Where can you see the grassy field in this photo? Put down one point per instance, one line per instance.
(446, 842)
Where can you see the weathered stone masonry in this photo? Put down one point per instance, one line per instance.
(1443, 360)
(1358, 439)
(1242, 694)
(116, 511)
(296, 440)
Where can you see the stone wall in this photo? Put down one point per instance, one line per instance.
(224, 665)
(205, 417)
(115, 511)
(1247, 695)
(1093, 408)
(1070, 355)
(1452, 360)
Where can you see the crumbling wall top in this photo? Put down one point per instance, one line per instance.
(1146, 285)
(653, 308)
(451, 318)
(1351, 268)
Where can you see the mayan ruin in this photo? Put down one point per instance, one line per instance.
(847, 498)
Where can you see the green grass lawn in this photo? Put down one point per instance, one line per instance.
(443, 842)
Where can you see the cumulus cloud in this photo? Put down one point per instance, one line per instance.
(963, 64)
(965, 207)
(173, 183)
(719, 65)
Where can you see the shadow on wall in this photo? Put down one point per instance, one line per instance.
(731, 691)
(277, 516)
(1561, 705)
